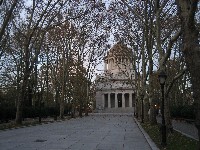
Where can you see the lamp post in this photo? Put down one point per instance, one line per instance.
(162, 78)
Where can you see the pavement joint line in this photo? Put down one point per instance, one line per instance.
(148, 139)
(186, 135)
(98, 145)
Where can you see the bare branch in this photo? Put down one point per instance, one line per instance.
(8, 16)
(137, 15)
(169, 48)
(174, 79)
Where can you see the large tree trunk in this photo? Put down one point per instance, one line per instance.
(18, 119)
(62, 104)
(136, 108)
(80, 110)
(168, 115)
(191, 49)
(21, 100)
(152, 112)
(146, 109)
(57, 97)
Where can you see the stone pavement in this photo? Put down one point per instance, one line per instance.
(95, 132)
(183, 127)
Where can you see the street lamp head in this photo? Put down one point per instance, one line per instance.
(162, 77)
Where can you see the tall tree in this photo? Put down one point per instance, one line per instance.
(40, 16)
(187, 9)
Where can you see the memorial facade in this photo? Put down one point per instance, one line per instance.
(115, 87)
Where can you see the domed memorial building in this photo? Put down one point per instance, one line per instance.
(115, 87)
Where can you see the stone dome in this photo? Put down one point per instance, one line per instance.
(119, 50)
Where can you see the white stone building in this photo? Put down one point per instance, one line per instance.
(115, 87)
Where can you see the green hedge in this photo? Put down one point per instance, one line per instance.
(186, 111)
(9, 113)
(31, 112)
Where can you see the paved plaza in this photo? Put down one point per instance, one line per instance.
(95, 132)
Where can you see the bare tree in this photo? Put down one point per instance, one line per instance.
(32, 32)
(190, 48)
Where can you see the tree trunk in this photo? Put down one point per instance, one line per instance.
(18, 119)
(20, 102)
(62, 107)
(191, 49)
(167, 115)
(152, 111)
(57, 97)
(139, 108)
(40, 107)
(80, 110)
(136, 108)
(146, 109)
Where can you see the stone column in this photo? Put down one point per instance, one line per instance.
(123, 101)
(109, 104)
(109, 64)
(117, 63)
(116, 101)
(105, 65)
(114, 63)
(103, 101)
(130, 100)
(121, 63)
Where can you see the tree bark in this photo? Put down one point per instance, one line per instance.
(21, 100)
(152, 113)
(168, 120)
(191, 49)
(62, 104)
(146, 109)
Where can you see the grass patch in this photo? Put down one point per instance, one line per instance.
(175, 140)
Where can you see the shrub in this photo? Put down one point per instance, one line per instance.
(31, 112)
(186, 111)
(7, 113)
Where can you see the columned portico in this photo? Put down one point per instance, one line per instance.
(114, 84)
(116, 100)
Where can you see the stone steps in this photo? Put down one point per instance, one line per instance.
(117, 110)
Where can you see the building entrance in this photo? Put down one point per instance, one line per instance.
(106, 100)
(119, 98)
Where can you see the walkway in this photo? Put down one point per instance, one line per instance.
(183, 127)
(95, 132)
